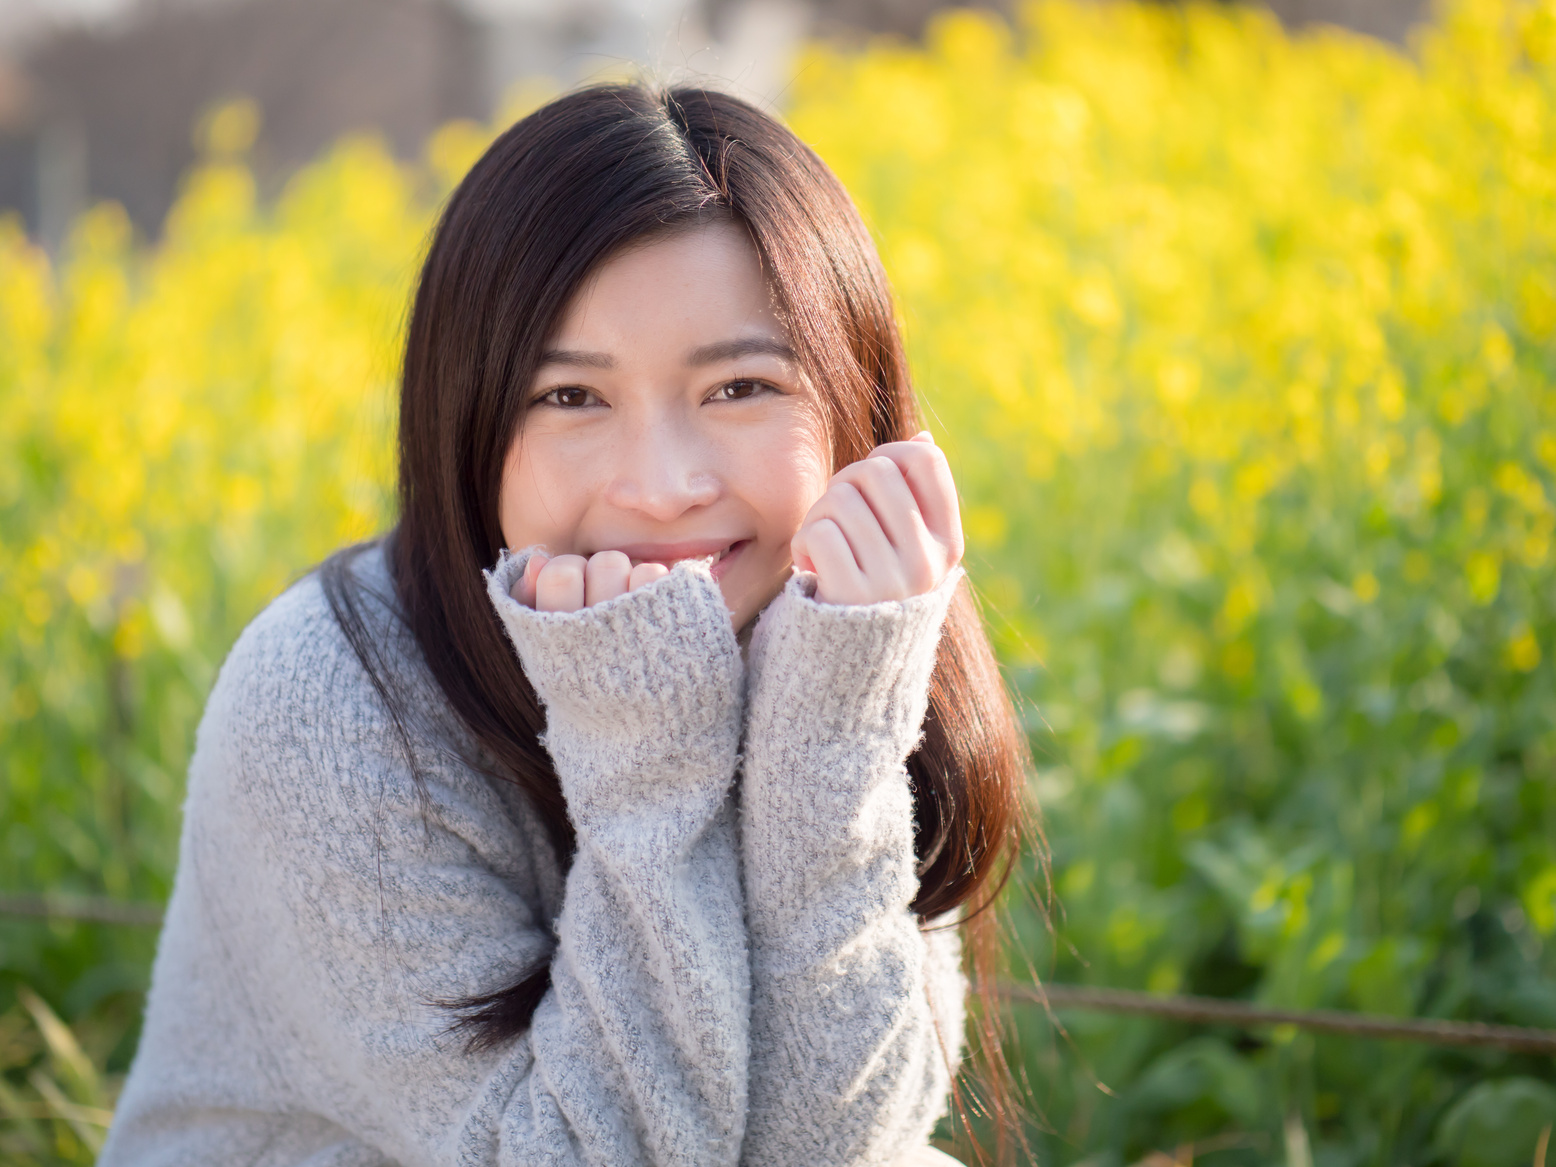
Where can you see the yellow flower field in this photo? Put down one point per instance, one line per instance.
(1243, 345)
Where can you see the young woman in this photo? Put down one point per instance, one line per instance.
(646, 844)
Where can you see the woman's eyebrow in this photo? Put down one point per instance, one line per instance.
(728, 350)
(588, 360)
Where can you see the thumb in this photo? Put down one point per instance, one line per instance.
(798, 554)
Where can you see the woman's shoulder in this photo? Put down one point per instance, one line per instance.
(300, 747)
(296, 644)
(302, 791)
(295, 682)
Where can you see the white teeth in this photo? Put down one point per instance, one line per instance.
(720, 555)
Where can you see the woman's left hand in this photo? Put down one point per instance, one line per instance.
(887, 528)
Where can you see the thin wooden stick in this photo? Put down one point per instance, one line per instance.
(93, 909)
(1216, 1011)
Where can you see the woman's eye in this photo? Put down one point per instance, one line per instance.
(737, 390)
(569, 397)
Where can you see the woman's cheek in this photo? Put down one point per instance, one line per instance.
(538, 501)
(805, 470)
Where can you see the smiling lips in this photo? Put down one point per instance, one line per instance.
(670, 554)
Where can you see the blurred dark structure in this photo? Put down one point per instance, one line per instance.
(108, 115)
(1389, 20)
(106, 110)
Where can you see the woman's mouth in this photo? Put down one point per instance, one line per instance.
(721, 563)
(669, 554)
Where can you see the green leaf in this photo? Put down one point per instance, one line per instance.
(1497, 1124)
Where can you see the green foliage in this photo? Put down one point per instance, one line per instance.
(60, 1111)
(183, 430)
(1497, 1123)
(1242, 345)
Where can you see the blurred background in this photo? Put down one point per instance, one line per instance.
(97, 97)
(1239, 326)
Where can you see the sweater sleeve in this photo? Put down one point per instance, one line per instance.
(329, 904)
(648, 1012)
(856, 1012)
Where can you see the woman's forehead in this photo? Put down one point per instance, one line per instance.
(700, 293)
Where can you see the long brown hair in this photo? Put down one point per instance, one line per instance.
(554, 196)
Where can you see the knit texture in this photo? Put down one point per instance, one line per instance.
(736, 974)
(840, 1022)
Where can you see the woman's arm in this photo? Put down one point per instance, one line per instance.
(856, 1013)
(326, 905)
(647, 1016)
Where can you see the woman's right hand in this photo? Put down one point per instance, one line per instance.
(887, 528)
(566, 583)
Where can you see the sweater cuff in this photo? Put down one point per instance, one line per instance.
(823, 672)
(661, 654)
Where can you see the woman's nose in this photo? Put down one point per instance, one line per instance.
(663, 472)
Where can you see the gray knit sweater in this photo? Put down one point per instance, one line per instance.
(736, 974)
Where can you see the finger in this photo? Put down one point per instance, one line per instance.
(886, 491)
(560, 585)
(838, 579)
(923, 436)
(920, 567)
(799, 545)
(799, 548)
(928, 475)
(646, 573)
(920, 560)
(923, 465)
(872, 551)
(798, 554)
(523, 589)
(607, 576)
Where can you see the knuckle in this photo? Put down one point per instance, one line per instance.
(848, 494)
(927, 457)
(879, 466)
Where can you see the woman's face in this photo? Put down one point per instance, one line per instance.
(669, 420)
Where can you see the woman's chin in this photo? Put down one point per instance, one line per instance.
(746, 592)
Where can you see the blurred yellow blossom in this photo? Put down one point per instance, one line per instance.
(1241, 344)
